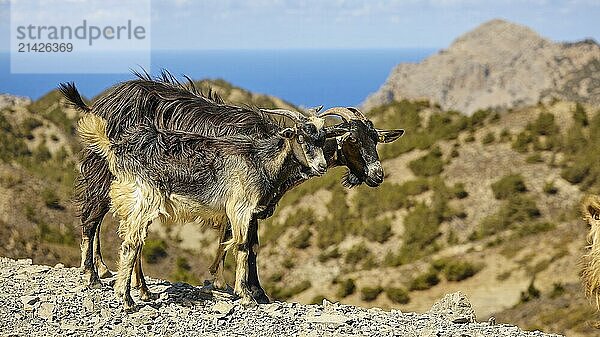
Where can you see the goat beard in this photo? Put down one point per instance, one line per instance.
(349, 180)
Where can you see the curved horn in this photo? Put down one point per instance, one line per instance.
(357, 113)
(344, 113)
(314, 111)
(293, 115)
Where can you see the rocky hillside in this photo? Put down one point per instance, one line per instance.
(499, 64)
(39, 300)
(484, 204)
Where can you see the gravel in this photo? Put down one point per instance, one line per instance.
(53, 301)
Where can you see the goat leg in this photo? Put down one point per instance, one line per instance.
(145, 293)
(240, 216)
(216, 269)
(88, 229)
(103, 270)
(128, 257)
(258, 293)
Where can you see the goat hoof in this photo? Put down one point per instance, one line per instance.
(246, 298)
(258, 294)
(219, 285)
(104, 272)
(94, 283)
(128, 303)
(248, 301)
(148, 296)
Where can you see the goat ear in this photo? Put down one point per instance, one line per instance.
(287, 133)
(388, 136)
(336, 130)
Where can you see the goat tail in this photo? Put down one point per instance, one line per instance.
(73, 97)
(92, 132)
(590, 275)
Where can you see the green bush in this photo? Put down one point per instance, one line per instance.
(388, 197)
(317, 299)
(397, 295)
(356, 253)
(303, 217)
(41, 153)
(544, 125)
(378, 230)
(302, 239)
(326, 255)
(521, 143)
(478, 118)
(459, 191)
(532, 228)
(531, 293)
(549, 188)
(13, 145)
(154, 250)
(534, 159)
(346, 288)
(505, 135)
(284, 293)
(576, 173)
(489, 138)
(182, 272)
(457, 270)
(52, 234)
(415, 187)
(429, 165)
(558, 289)
(421, 228)
(508, 185)
(51, 199)
(28, 125)
(425, 281)
(369, 294)
(516, 209)
(580, 116)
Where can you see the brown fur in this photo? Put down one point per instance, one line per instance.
(590, 210)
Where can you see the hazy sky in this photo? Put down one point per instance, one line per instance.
(273, 24)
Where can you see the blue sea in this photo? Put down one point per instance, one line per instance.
(303, 77)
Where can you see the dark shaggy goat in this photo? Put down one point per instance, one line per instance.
(167, 170)
(355, 149)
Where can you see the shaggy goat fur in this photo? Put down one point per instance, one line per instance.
(356, 149)
(590, 276)
(167, 171)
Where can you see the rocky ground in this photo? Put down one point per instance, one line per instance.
(40, 300)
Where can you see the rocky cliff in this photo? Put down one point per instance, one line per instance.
(51, 301)
(499, 64)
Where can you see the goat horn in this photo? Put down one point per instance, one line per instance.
(357, 113)
(344, 113)
(293, 115)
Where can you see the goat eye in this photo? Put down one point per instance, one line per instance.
(300, 139)
(596, 216)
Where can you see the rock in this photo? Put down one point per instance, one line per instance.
(498, 64)
(45, 310)
(58, 308)
(329, 319)
(222, 309)
(29, 302)
(454, 307)
(59, 266)
(88, 304)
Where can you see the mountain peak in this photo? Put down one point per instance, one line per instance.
(497, 64)
(498, 32)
